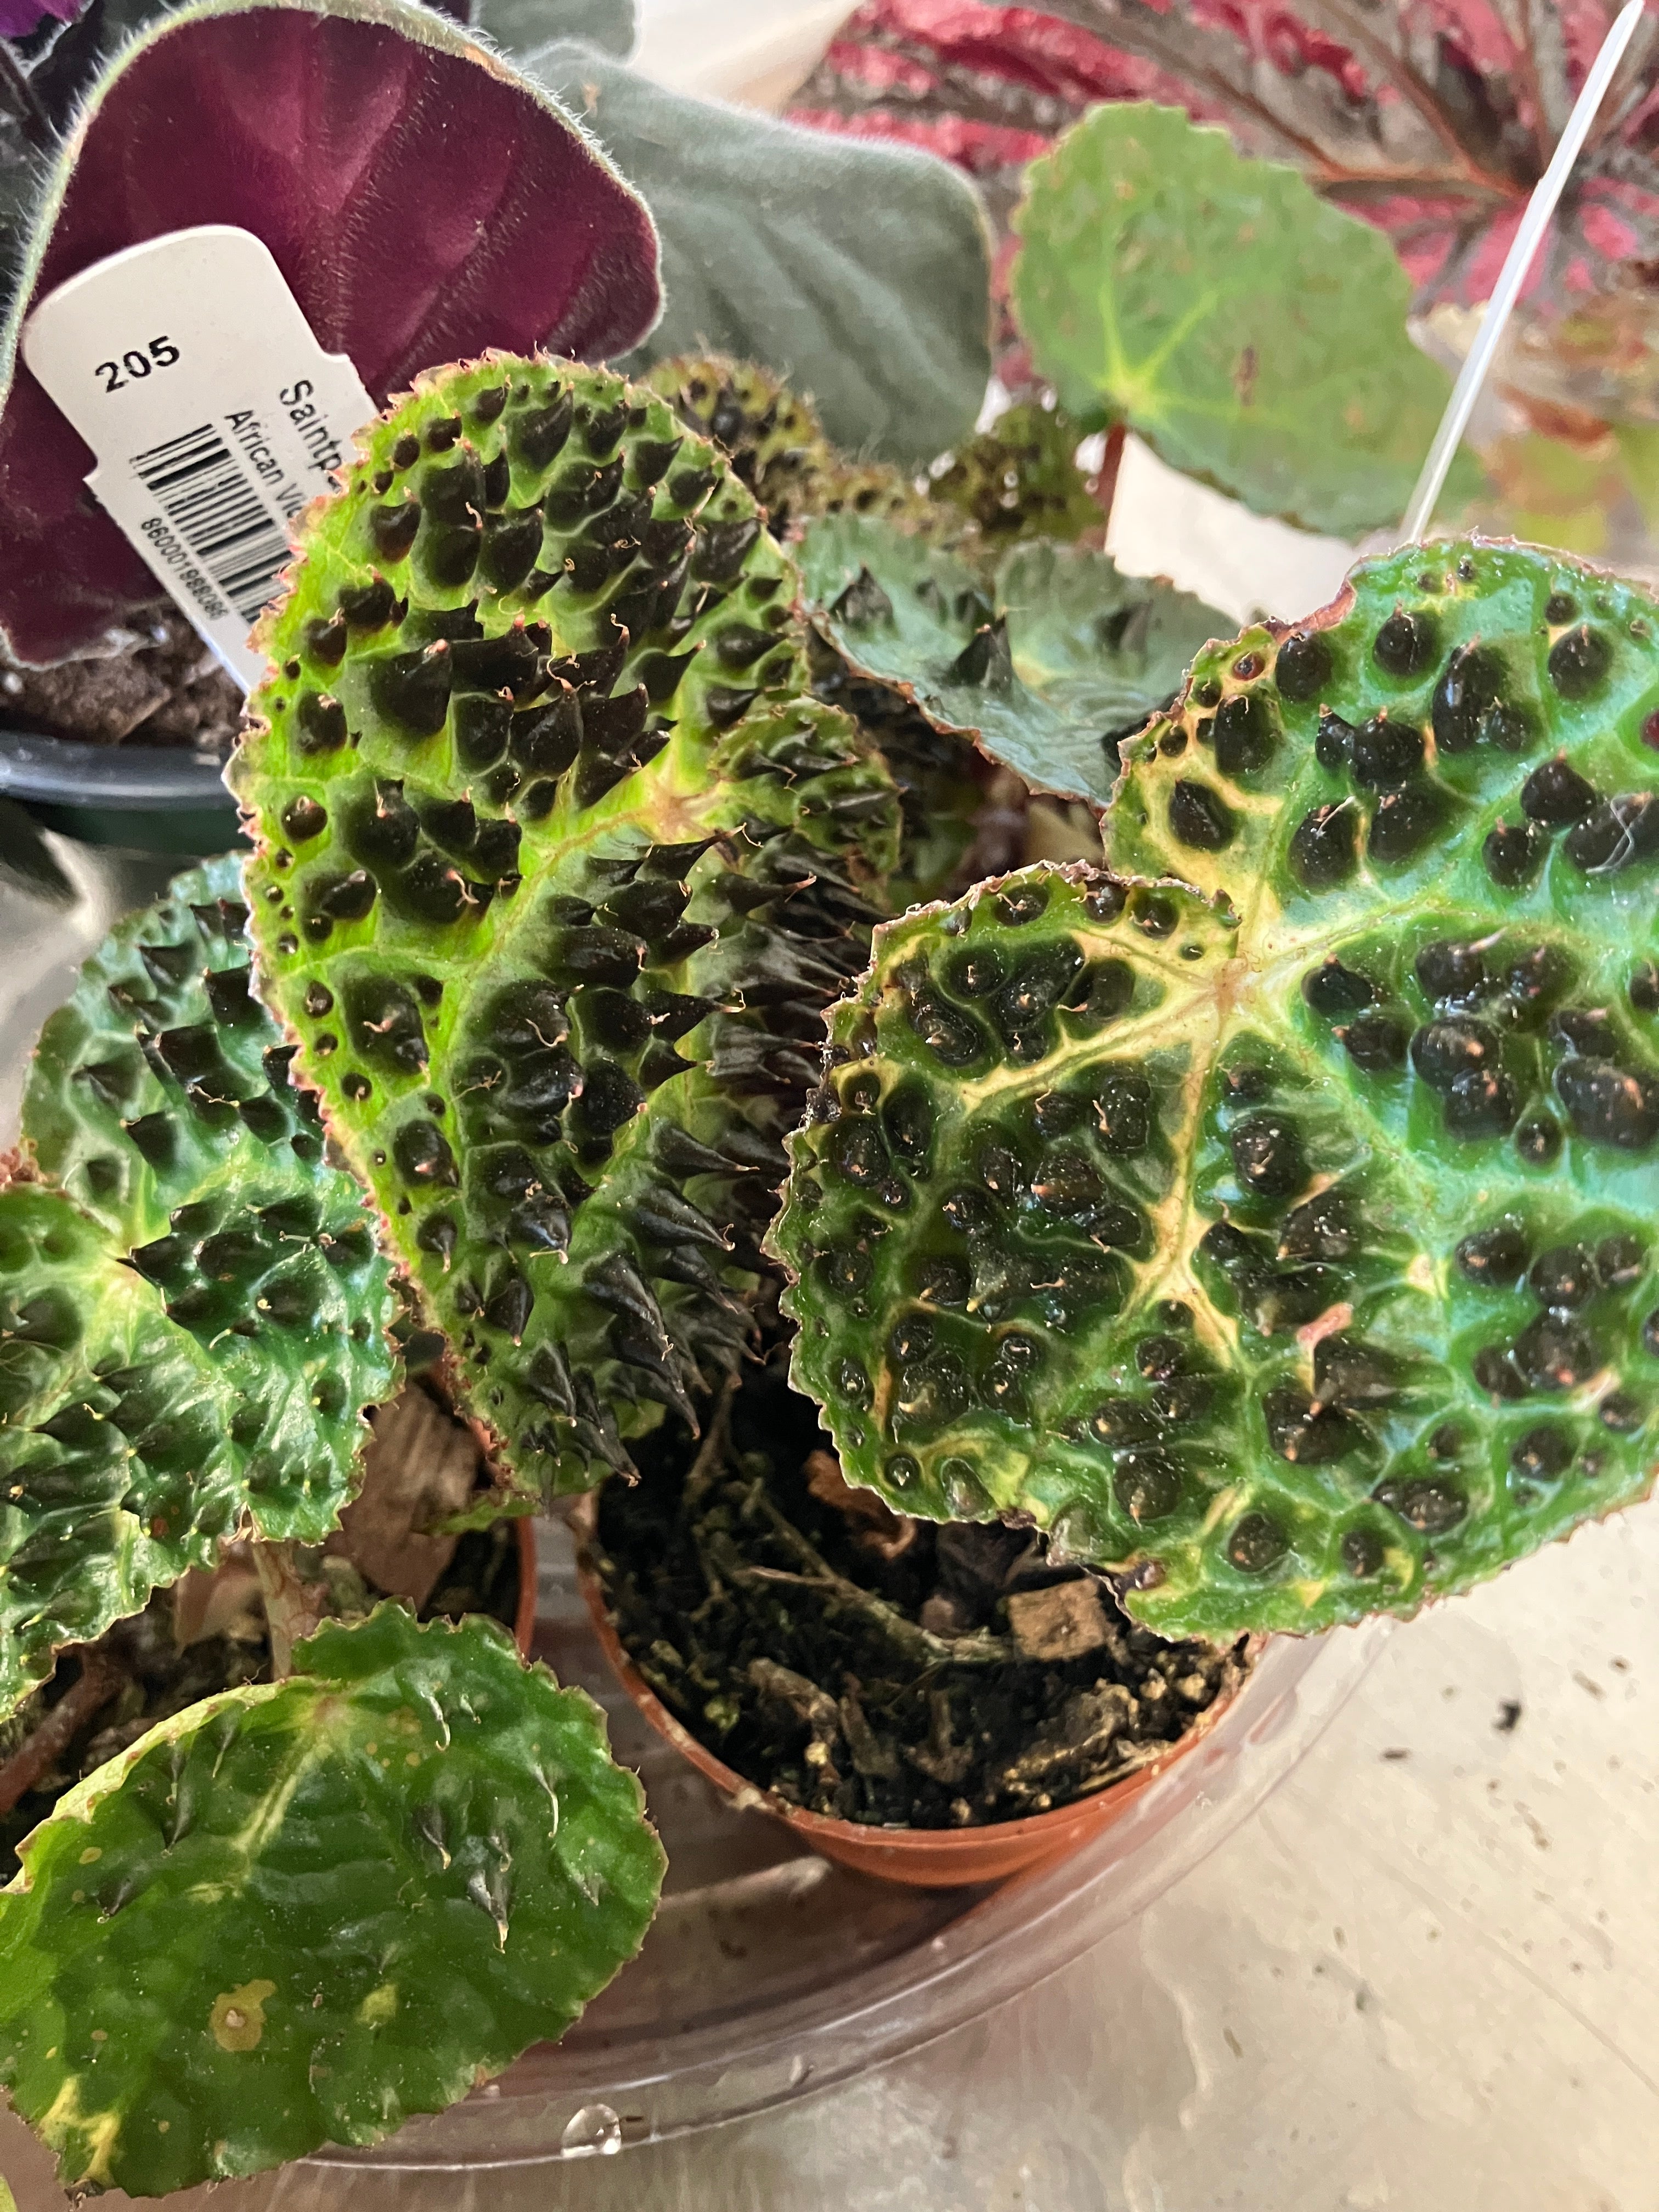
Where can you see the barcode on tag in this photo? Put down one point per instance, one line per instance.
(187, 365)
(198, 487)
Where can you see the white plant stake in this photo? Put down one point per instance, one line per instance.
(1540, 208)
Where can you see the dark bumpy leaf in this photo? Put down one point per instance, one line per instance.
(558, 867)
(860, 272)
(1064, 656)
(1294, 1254)
(299, 1913)
(394, 170)
(1433, 125)
(1018, 479)
(1252, 335)
(192, 1341)
(778, 447)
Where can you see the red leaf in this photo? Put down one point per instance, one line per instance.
(422, 200)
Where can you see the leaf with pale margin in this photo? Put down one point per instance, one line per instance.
(1066, 655)
(1253, 336)
(298, 1913)
(860, 273)
(1288, 1250)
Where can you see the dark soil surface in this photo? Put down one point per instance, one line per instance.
(164, 689)
(871, 1667)
(148, 1677)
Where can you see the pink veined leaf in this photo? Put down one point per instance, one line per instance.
(1430, 119)
(422, 201)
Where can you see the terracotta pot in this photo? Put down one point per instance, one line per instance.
(923, 1858)
(524, 1621)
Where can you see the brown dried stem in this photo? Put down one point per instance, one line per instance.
(99, 1680)
(296, 1604)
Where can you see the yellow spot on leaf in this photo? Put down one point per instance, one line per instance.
(92, 1852)
(238, 2018)
(161, 2126)
(411, 1758)
(101, 2035)
(379, 2006)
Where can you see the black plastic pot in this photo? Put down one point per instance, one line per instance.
(148, 799)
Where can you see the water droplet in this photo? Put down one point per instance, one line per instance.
(594, 2132)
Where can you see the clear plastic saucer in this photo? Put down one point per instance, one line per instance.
(770, 1973)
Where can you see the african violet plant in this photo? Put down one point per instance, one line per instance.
(761, 230)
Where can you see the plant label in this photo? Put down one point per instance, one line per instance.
(215, 417)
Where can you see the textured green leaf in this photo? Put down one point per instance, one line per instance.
(296, 1914)
(558, 867)
(193, 1341)
(861, 272)
(1063, 657)
(1252, 334)
(1292, 1253)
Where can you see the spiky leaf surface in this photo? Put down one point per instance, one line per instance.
(298, 1913)
(778, 447)
(556, 872)
(862, 273)
(394, 169)
(1292, 1253)
(1015, 480)
(193, 1340)
(1063, 657)
(1252, 335)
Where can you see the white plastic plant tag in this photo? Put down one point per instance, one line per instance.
(187, 365)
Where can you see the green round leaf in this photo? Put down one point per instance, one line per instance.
(559, 862)
(1252, 334)
(1292, 1252)
(297, 1914)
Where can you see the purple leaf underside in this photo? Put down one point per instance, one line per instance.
(422, 201)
